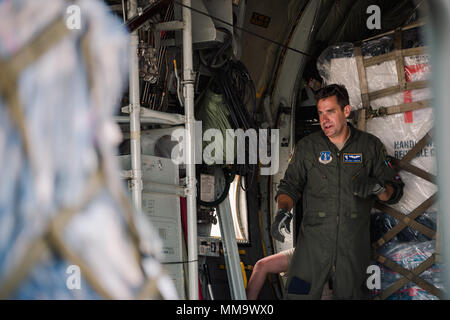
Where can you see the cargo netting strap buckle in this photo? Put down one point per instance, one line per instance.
(380, 112)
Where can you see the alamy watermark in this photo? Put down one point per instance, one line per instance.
(374, 20)
(374, 280)
(73, 20)
(217, 147)
(73, 281)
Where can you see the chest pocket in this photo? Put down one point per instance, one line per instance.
(354, 169)
(317, 178)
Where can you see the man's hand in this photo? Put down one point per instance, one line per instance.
(364, 187)
(282, 220)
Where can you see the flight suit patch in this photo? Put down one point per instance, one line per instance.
(352, 157)
(325, 157)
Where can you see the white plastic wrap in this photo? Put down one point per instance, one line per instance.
(66, 121)
(337, 64)
(400, 137)
(400, 132)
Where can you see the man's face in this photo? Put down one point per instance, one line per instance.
(333, 119)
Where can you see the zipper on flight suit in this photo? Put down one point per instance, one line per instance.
(337, 214)
(338, 154)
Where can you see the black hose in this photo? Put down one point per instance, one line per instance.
(234, 82)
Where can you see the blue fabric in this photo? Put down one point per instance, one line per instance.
(299, 286)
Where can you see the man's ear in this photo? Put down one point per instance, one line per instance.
(347, 110)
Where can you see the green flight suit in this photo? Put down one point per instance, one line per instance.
(334, 238)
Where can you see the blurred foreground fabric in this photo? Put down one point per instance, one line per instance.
(63, 207)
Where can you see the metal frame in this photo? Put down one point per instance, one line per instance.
(188, 90)
(134, 108)
(230, 248)
(160, 117)
(138, 115)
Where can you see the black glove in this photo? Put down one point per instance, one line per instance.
(364, 187)
(282, 220)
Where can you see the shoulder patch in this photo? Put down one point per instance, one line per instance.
(325, 157)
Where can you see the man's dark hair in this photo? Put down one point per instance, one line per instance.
(337, 90)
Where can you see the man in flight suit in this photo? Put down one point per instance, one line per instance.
(340, 171)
